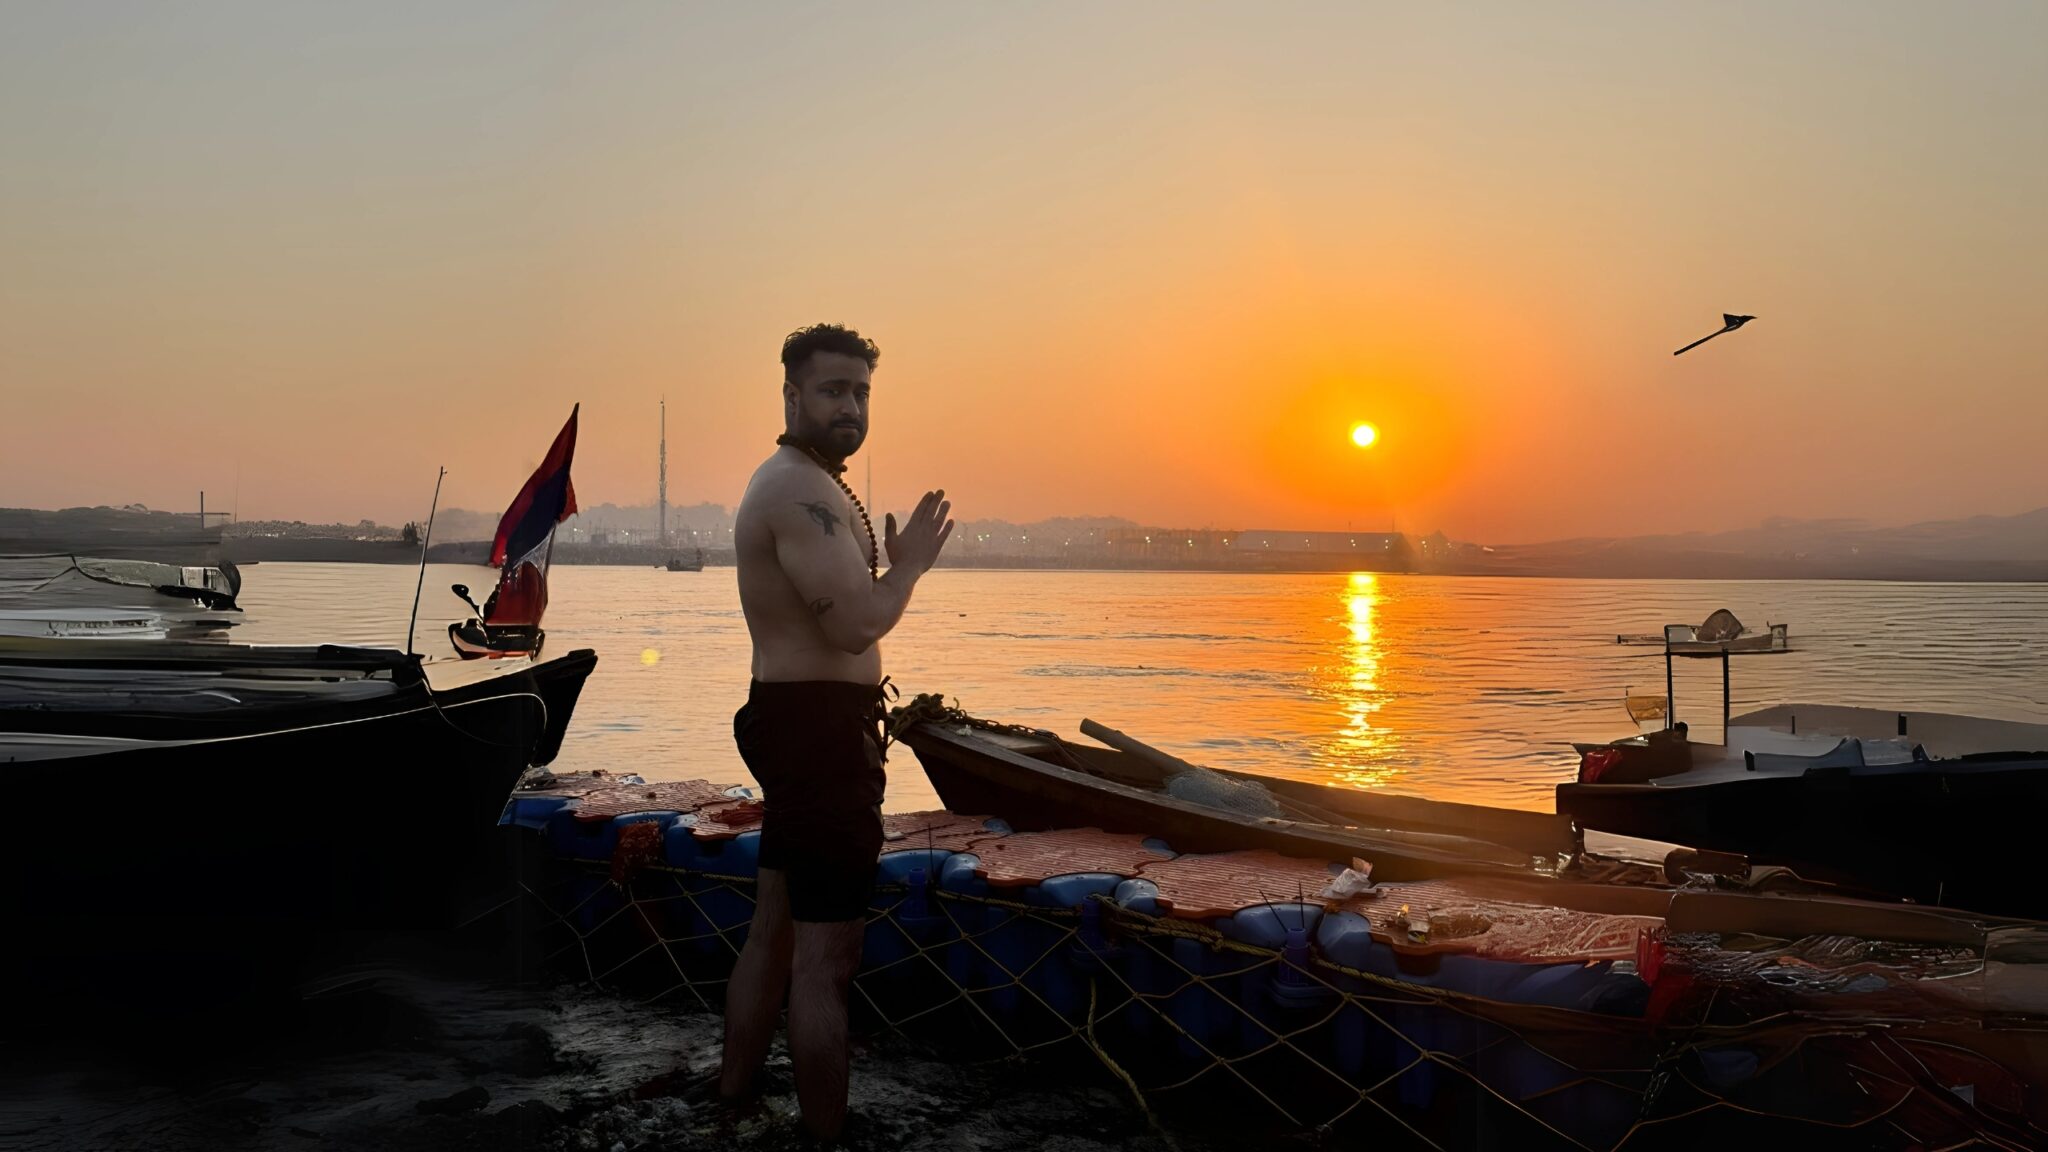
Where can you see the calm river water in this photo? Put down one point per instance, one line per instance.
(1448, 687)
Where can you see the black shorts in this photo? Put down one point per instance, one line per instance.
(815, 746)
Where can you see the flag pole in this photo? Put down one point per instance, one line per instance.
(421, 584)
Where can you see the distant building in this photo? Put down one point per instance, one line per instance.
(1323, 543)
(1133, 546)
(1169, 545)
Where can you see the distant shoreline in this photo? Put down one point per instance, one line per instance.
(253, 550)
(1979, 550)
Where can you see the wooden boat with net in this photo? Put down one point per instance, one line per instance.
(1034, 779)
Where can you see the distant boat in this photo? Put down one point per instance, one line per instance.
(1721, 632)
(678, 564)
(508, 623)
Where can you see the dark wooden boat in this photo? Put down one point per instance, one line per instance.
(202, 811)
(1036, 780)
(65, 699)
(1946, 815)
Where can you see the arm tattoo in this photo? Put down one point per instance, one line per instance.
(821, 605)
(821, 514)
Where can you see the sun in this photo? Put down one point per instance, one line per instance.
(1364, 435)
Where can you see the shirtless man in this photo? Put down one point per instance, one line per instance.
(809, 731)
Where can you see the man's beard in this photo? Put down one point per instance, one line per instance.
(834, 441)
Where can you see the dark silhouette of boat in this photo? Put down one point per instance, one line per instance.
(193, 817)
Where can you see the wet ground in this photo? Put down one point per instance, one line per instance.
(403, 1057)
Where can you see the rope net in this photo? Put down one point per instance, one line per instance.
(1202, 1028)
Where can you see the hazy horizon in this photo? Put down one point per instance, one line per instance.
(1148, 258)
(683, 516)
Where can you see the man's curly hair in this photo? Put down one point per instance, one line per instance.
(825, 338)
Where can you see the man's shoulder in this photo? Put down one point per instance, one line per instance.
(781, 483)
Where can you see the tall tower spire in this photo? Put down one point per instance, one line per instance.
(663, 482)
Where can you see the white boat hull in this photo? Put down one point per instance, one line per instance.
(84, 623)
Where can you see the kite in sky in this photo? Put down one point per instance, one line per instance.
(1729, 323)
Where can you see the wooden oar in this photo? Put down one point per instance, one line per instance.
(1135, 747)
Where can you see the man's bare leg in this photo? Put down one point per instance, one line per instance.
(753, 1000)
(826, 956)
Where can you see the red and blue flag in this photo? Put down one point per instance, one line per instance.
(547, 499)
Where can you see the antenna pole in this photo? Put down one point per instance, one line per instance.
(663, 484)
(425, 537)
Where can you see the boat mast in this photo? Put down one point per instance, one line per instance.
(425, 539)
(662, 496)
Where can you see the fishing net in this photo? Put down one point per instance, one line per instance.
(1201, 1028)
(1213, 789)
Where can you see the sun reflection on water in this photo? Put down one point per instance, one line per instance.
(1360, 749)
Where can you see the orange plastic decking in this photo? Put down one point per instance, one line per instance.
(726, 818)
(1021, 859)
(941, 830)
(624, 799)
(1209, 886)
(1464, 916)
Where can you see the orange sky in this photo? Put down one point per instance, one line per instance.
(1144, 260)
